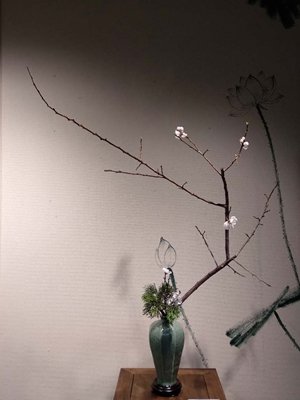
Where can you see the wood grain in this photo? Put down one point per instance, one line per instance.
(197, 383)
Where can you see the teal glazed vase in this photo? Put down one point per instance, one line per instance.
(166, 344)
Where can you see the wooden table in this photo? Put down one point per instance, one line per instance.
(197, 383)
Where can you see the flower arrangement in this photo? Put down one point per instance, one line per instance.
(164, 301)
(253, 92)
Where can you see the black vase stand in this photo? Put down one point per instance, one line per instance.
(166, 390)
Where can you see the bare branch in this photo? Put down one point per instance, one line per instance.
(161, 175)
(207, 245)
(127, 153)
(188, 325)
(252, 274)
(206, 277)
(133, 173)
(235, 271)
(228, 258)
(259, 219)
(137, 167)
(237, 156)
(189, 143)
(141, 148)
(227, 213)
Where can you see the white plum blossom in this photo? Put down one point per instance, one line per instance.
(175, 299)
(226, 225)
(179, 133)
(244, 143)
(167, 271)
(230, 223)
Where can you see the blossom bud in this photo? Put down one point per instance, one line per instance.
(245, 145)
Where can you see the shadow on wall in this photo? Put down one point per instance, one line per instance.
(232, 370)
(287, 10)
(121, 279)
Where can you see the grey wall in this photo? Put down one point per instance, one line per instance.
(77, 244)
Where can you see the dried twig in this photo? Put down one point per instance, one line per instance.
(159, 173)
(189, 143)
(237, 156)
(189, 327)
(206, 277)
(235, 271)
(141, 148)
(127, 153)
(133, 173)
(207, 245)
(259, 219)
(252, 273)
(227, 213)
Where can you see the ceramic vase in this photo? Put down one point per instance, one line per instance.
(166, 343)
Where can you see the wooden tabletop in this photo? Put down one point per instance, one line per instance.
(197, 383)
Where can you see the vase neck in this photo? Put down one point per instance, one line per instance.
(165, 322)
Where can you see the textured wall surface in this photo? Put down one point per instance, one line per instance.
(77, 243)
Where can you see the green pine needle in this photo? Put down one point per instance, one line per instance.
(156, 302)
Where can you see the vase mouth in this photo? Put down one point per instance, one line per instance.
(166, 321)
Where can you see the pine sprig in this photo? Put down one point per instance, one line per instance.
(157, 302)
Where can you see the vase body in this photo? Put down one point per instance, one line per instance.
(166, 343)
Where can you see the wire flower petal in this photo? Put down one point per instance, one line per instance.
(165, 254)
